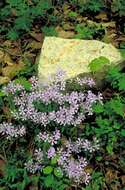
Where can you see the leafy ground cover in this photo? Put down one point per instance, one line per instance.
(64, 136)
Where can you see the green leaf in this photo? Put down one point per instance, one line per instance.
(54, 160)
(48, 170)
(12, 34)
(122, 51)
(105, 123)
(58, 172)
(117, 106)
(99, 158)
(118, 6)
(121, 83)
(122, 45)
(83, 32)
(123, 132)
(11, 103)
(2, 94)
(23, 23)
(72, 14)
(97, 63)
(35, 179)
(49, 180)
(49, 31)
(117, 125)
(109, 148)
(96, 5)
(113, 74)
(98, 108)
(27, 85)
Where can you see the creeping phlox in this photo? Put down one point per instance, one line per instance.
(53, 103)
(10, 131)
(71, 107)
(70, 165)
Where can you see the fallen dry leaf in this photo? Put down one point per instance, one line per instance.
(0, 69)
(102, 16)
(37, 59)
(2, 167)
(7, 43)
(111, 24)
(111, 37)
(115, 186)
(33, 187)
(121, 38)
(7, 59)
(37, 36)
(4, 80)
(111, 175)
(81, 19)
(13, 12)
(1, 55)
(15, 51)
(7, 113)
(64, 34)
(66, 9)
(11, 71)
(91, 23)
(29, 55)
(68, 26)
(34, 45)
(89, 169)
(123, 179)
(13, 48)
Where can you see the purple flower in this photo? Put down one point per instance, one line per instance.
(75, 170)
(68, 104)
(11, 131)
(51, 152)
(34, 82)
(88, 81)
(38, 155)
(12, 88)
(32, 166)
(50, 138)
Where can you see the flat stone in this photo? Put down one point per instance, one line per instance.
(73, 56)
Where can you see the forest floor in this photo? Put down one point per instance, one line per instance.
(19, 57)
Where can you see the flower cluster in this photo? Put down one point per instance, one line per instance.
(75, 170)
(11, 131)
(38, 154)
(82, 144)
(35, 163)
(72, 107)
(32, 166)
(34, 82)
(85, 81)
(54, 79)
(68, 155)
(54, 104)
(72, 167)
(50, 138)
(12, 88)
(51, 152)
